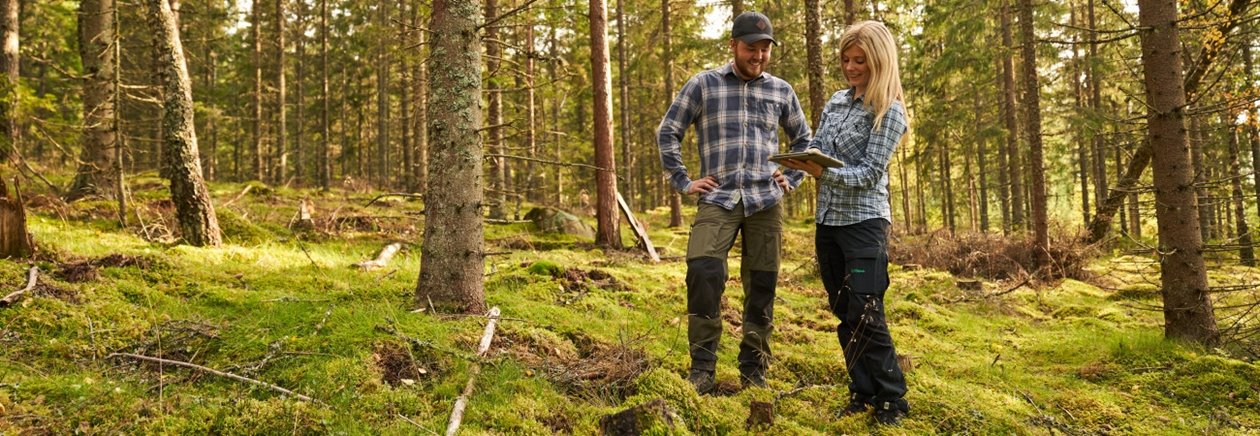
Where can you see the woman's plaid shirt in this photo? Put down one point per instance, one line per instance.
(737, 127)
(859, 190)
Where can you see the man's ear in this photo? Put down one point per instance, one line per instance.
(734, 43)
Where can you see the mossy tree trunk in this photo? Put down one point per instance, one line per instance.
(452, 261)
(193, 209)
(1188, 311)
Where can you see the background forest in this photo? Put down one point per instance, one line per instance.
(1078, 184)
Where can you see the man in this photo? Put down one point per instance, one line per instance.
(737, 110)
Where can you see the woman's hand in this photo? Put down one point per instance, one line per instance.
(808, 167)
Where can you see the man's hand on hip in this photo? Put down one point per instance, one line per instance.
(702, 186)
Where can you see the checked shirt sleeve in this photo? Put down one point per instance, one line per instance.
(669, 136)
(883, 141)
(797, 128)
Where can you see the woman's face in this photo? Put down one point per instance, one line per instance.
(858, 73)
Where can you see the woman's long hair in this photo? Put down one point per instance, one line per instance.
(884, 86)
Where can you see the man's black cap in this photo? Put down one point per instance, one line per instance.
(751, 27)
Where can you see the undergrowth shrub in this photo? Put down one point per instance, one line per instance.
(990, 256)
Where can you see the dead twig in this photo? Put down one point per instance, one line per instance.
(393, 194)
(457, 414)
(194, 366)
(238, 196)
(31, 277)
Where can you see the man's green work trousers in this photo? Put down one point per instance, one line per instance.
(712, 236)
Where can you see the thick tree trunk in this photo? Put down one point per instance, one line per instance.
(96, 36)
(452, 262)
(9, 62)
(1187, 304)
(193, 209)
(1032, 128)
(1246, 253)
(608, 232)
(1010, 116)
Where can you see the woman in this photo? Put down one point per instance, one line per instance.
(861, 126)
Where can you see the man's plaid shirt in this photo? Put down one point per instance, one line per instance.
(737, 126)
(859, 190)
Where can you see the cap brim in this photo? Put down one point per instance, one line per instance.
(749, 39)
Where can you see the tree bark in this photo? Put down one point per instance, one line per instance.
(325, 135)
(193, 210)
(1246, 253)
(299, 60)
(675, 199)
(9, 61)
(813, 54)
(452, 262)
(623, 81)
(422, 108)
(15, 240)
(494, 116)
(1095, 102)
(1032, 128)
(1187, 305)
(982, 163)
(282, 125)
(1009, 114)
(96, 36)
(404, 100)
(256, 25)
(607, 232)
(382, 96)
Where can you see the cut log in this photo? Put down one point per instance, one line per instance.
(638, 229)
(652, 415)
(382, 259)
(15, 241)
(304, 221)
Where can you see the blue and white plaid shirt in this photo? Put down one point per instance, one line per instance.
(737, 124)
(857, 191)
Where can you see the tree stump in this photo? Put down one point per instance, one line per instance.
(760, 415)
(635, 420)
(15, 241)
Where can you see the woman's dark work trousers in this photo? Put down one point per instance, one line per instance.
(853, 260)
(712, 237)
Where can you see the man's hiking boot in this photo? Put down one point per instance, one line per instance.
(889, 414)
(702, 380)
(753, 380)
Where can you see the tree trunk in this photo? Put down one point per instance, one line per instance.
(813, 54)
(382, 97)
(1032, 127)
(96, 36)
(1004, 189)
(1187, 304)
(1084, 167)
(404, 99)
(211, 163)
(948, 210)
(193, 209)
(299, 60)
(1095, 102)
(282, 124)
(422, 108)
(607, 233)
(675, 199)
(15, 240)
(982, 163)
(256, 25)
(494, 116)
(1200, 177)
(1009, 114)
(850, 13)
(623, 80)
(452, 262)
(9, 61)
(1246, 253)
(325, 138)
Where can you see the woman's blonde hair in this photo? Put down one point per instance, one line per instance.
(884, 86)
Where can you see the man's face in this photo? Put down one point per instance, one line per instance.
(750, 59)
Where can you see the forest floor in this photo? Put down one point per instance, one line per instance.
(584, 333)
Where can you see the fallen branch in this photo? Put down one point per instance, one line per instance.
(394, 194)
(238, 196)
(457, 414)
(30, 284)
(270, 386)
(382, 258)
